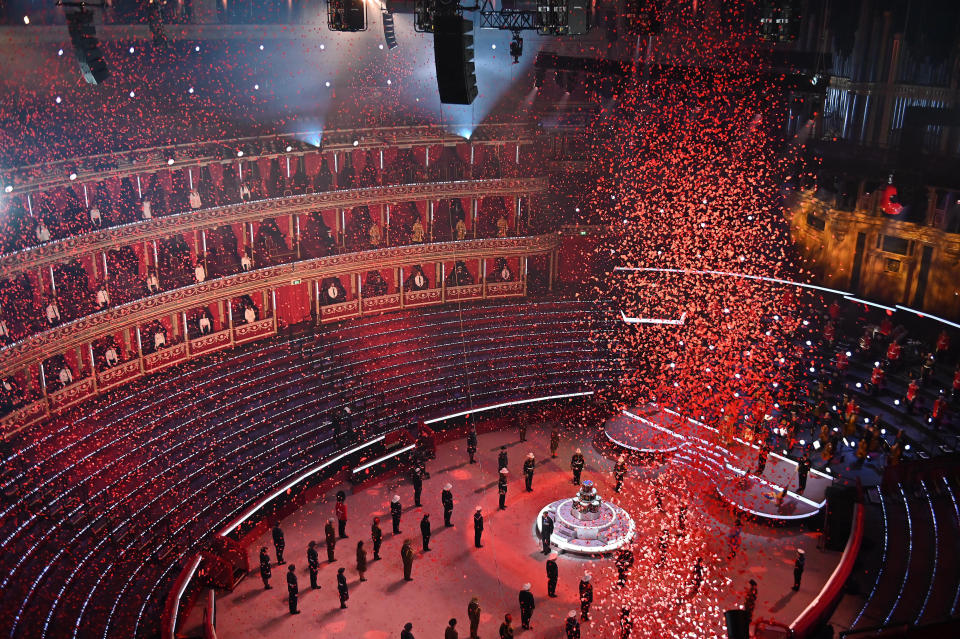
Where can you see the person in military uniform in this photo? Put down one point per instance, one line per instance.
(626, 623)
(396, 510)
(546, 530)
(576, 465)
(278, 543)
(425, 531)
(502, 458)
(265, 572)
(527, 605)
(572, 629)
(528, 467)
(406, 556)
(451, 630)
(502, 488)
(472, 444)
(313, 562)
(586, 595)
(798, 565)
(446, 498)
(624, 562)
(477, 528)
(331, 537)
(377, 536)
(342, 588)
(341, 512)
(292, 590)
(619, 472)
(473, 613)
(803, 467)
(506, 628)
(553, 573)
(361, 560)
(522, 428)
(554, 440)
(416, 477)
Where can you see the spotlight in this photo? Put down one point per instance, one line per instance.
(73, 176)
(170, 161)
(8, 189)
(261, 47)
(239, 154)
(60, 52)
(289, 148)
(132, 49)
(26, 19)
(58, 100)
(190, 90)
(356, 143)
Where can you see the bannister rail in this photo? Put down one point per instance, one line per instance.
(156, 228)
(823, 605)
(171, 610)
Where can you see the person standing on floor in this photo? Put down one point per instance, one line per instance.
(572, 629)
(546, 531)
(292, 590)
(554, 441)
(407, 632)
(425, 532)
(416, 477)
(502, 458)
(527, 604)
(472, 444)
(341, 512)
(762, 457)
(576, 465)
(803, 467)
(619, 472)
(473, 614)
(553, 574)
(396, 510)
(506, 628)
(750, 602)
(477, 528)
(529, 465)
(522, 427)
(406, 556)
(586, 595)
(626, 623)
(313, 563)
(624, 562)
(361, 560)
(451, 631)
(446, 498)
(278, 543)
(377, 536)
(265, 572)
(331, 538)
(342, 589)
(502, 488)
(798, 565)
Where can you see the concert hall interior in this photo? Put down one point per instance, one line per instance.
(554, 319)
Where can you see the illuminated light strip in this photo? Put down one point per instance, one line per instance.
(936, 553)
(796, 496)
(650, 320)
(503, 404)
(293, 482)
(649, 423)
(395, 453)
(688, 271)
(183, 588)
(956, 513)
(906, 572)
(933, 317)
(883, 563)
(868, 303)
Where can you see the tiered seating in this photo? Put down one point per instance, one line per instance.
(112, 496)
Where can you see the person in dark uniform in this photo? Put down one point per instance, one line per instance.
(586, 595)
(451, 630)
(803, 467)
(554, 441)
(553, 573)
(416, 477)
(406, 556)
(342, 589)
(446, 498)
(529, 465)
(663, 544)
(522, 427)
(292, 590)
(473, 614)
(313, 562)
(377, 536)
(278, 543)
(682, 521)
(626, 623)
(619, 472)
(546, 530)
(506, 628)
(576, 465)
(265, 572)
(502, 488)
(572, 629)
(750, 602)
(527, 604)
(361, 560)
(477, 528)
(798, 565)
(624, 562)
(331, 536)
(395, 511)
(425, 531)
(658, 492)
(341, 512)
(762, 457)
(697, 578)
(472, 444)
(407, 632)
(502, 458)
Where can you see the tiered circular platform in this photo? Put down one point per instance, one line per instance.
(607, 528)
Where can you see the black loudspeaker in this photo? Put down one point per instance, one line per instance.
(839, 516)
(453, 55)
(83, 35)
(738, 625)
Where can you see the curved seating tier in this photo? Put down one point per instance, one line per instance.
(104, 502)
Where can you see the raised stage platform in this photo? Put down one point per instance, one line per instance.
(666, 435)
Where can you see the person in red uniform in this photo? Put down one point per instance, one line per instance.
(843, 361)
(938, 410)
(911, 396)
(956, 383)
(886, 327)
(943, 344)
(893, 353)
(341, 510)
(876, 380)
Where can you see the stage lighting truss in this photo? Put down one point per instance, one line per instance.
(346, 15)
(551, 17)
